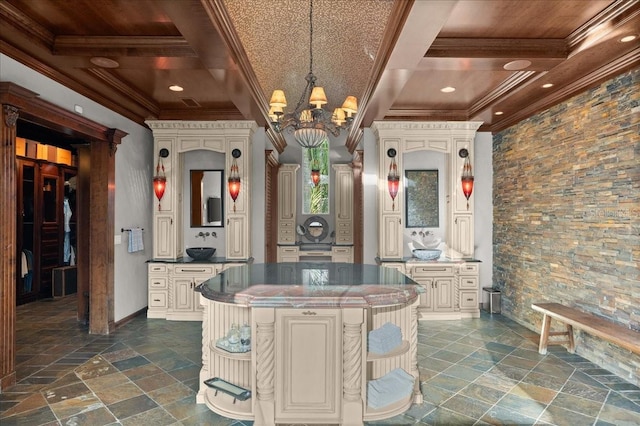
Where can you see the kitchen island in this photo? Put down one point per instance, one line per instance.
(308, 359)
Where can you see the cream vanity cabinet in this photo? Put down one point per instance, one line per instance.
(438, 284)
(287, 203)
(396, 139)
(450, 289)
(158, 296)
(184, 300)
(344, 203)
(469, 276)
(342, 254)
(175, 137)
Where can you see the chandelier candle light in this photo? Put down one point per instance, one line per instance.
(309, 121)
(160, 179)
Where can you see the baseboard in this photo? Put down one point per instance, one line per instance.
(128, 318)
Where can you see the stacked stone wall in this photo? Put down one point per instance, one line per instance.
(567, 214)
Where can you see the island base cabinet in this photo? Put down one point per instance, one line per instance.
(306, 365)
(308, 358)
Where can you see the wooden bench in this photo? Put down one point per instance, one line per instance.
(589, 323)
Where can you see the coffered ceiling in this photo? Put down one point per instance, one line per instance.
(395, 56)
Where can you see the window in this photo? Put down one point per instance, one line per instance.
(315, 197)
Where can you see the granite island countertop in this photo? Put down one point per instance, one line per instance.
(310, 285)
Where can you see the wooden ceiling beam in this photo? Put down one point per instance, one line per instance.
(444, 47)
(174, 46)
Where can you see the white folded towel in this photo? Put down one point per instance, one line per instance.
(135, 240)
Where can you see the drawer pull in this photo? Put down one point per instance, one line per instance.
(193, 270)
(156, 300)
(308, 313)
(469, 300)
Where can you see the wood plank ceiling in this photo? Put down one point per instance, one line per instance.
(395, 56)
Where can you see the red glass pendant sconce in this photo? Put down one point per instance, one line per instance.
(315, 174)
(467, 175)
(160, 179)
(234, 177)
(393, 178)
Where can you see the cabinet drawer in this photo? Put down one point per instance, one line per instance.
(341, 250)
(157, 282)
(196, 269)
(288, 250)
(157, 299)
(468, 282)
(157, 268)
(433, 270)
(469, 269)
(468, 299)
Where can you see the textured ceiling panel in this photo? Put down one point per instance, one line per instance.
(346, 37)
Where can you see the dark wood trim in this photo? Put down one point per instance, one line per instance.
(271, 207)
(397, 18)
(128, 318)
(459, 47)
(96, 180)
(173, 46)
(8, 214)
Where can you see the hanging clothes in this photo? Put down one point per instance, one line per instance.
(67, 231)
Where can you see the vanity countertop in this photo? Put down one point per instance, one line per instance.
(308, 285)
(441, 259)
(188, 260)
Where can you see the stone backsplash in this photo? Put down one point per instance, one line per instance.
(567, 214)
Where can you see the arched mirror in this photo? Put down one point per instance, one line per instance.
(316, 229)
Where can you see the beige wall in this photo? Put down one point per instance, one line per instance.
(567, 213)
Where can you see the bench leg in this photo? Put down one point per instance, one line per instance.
(571, 345)
(544, 334)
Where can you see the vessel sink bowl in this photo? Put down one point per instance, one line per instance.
(200, 253)
(427, 254)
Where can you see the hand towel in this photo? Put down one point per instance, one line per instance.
(135, 240)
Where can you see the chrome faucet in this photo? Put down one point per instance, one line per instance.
(204, 235)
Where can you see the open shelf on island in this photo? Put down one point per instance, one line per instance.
(241, 356)
(390, 410)
(228, 406)
(400, 350)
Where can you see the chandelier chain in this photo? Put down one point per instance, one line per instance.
(310, 36)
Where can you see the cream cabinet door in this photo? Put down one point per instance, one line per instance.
(308, 365)
(443, 294)
(237, 238)
(183, 294)
(462, 234)
(163, 241)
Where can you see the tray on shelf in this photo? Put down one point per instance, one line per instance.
(237, 348)
(237, 392)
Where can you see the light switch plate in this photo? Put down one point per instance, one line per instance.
(117, 239)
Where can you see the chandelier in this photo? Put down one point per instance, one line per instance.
(309, 122)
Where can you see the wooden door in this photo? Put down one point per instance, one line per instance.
(50, 226)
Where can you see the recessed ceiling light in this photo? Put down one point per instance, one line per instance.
(176, 88)
(627, 39)
(517, 65)
(104, 62)
(448, 89)
(498, 113)
(547, 85)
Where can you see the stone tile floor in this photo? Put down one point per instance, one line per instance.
(480, 371)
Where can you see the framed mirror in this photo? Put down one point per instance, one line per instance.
(207, 200)
(316, 229)
(422, 202)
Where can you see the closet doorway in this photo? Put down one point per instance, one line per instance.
(47, 216)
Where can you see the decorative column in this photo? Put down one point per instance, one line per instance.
(352, 366)
(265, 365)
(8, 244)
